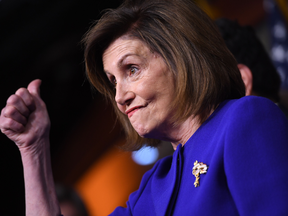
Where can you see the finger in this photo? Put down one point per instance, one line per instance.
(12, 113)
(34, 87)
(10, 132)
(27, 98)
(17, 102)
(8, 124)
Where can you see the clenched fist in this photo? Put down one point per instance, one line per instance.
(25, 119)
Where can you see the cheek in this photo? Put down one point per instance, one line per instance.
(148, 88)
(143, 91)
(121, 108)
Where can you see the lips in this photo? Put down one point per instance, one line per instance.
(131, 111)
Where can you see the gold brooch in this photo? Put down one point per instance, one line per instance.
(198, 168)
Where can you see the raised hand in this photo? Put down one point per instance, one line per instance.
(24, 119)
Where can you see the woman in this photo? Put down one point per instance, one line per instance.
(170, 77)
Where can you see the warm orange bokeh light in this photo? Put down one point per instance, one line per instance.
(109, 181)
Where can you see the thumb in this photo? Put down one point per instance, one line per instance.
(34, 87)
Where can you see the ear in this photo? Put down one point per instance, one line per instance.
(246, 77)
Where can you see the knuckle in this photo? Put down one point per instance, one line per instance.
(12, 125)
(2, 111)
(13, 99)
(3, 130)
(30, 103)
(9, 111)
(7, 124)
(21, 91)
(24, 94)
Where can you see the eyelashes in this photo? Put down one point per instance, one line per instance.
(130, 71)
(113, 82)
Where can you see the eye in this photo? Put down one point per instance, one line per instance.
(113, 81)
(133, 70)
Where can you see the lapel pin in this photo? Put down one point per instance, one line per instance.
(198, 168)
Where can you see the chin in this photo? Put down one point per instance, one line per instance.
(148, 134)
(143, 131)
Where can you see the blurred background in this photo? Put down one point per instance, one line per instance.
(42, 39)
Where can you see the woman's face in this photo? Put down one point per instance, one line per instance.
(144, 85)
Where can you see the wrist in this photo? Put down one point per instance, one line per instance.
(36, 148)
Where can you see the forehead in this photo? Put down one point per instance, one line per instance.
(123, 47)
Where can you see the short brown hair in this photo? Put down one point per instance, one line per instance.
(205, 71)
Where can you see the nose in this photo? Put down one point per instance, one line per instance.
(124, 94)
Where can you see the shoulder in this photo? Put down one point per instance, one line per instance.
(255, 118)
(250, 104)
(256, 131)
(253, 110)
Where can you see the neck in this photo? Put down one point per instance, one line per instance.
(181, 133)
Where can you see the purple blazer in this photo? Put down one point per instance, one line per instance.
(244, 145)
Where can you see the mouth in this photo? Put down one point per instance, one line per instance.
(131, 111)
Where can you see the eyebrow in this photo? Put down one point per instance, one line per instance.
(120, 62)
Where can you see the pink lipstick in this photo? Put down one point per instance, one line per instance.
(131, 111)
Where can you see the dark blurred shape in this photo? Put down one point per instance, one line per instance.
(71, 203)
(248, 50)
(277, 13)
